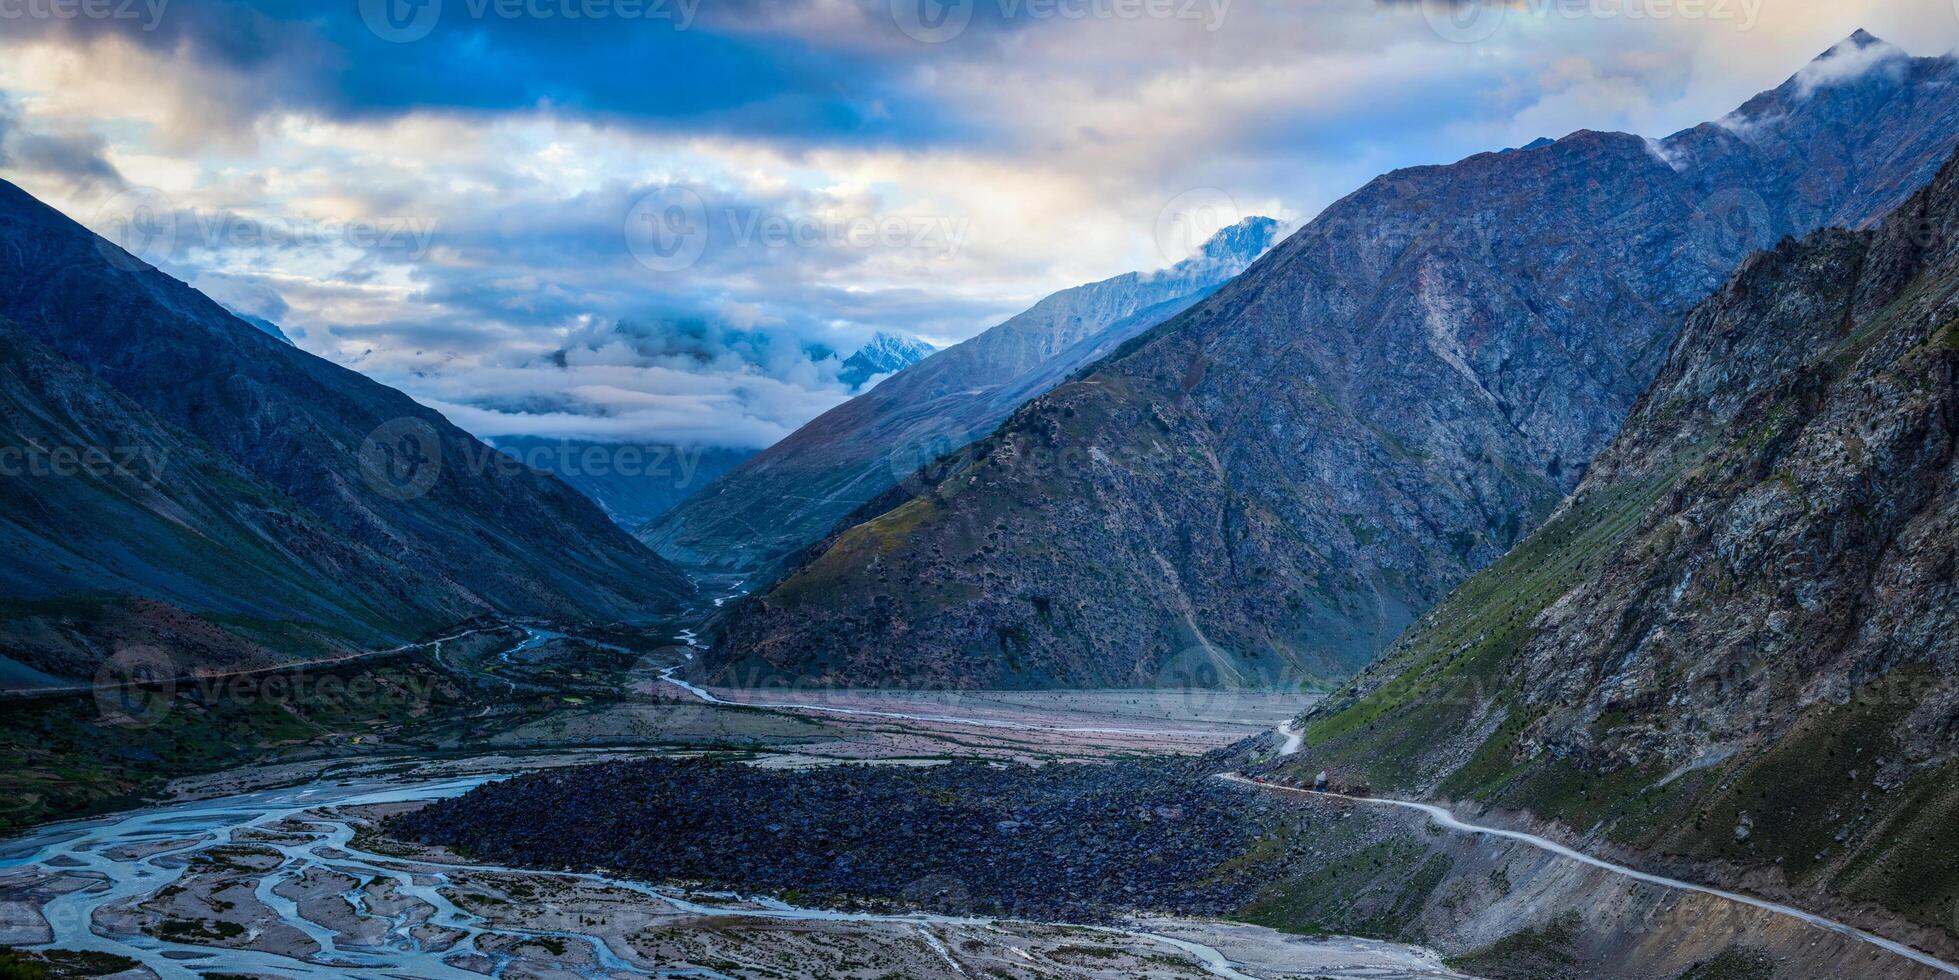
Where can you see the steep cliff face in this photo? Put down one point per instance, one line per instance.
(791, 494)
(1735, 643)
(304, 474)
(1273, 484)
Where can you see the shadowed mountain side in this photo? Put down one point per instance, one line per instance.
(433, 528)
(117, 523)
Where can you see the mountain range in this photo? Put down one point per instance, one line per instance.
(633, 482)
(1268, 487)
(790, 495)
(180, 478)
(1733, 647)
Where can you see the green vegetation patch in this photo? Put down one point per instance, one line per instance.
(1537, 953)
(1376, 892)
(68, 755)
(1734, 964)
(1817, 810)
(52, 964)
(1457, 663)
(197, 931)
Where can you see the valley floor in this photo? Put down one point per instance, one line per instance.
(292, 883)
(258, 852)
(269, 869)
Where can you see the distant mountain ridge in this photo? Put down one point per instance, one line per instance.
(302, 508)
(1270, 486)
(883, 354)
(633, 482)
(789, 495)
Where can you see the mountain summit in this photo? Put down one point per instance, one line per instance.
(1272, 485)
(883, 354)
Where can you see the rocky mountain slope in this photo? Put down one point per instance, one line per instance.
(298, 504)
(117, 521)
(884, 354)
(791, 494)
(1270, 486)
(1734, 646)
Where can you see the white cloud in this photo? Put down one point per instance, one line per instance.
(1056, 146)
(1847, 61)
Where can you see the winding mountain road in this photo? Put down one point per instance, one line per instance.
(111, 682)
(1294, 738)
(1450, 821)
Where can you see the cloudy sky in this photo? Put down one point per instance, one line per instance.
(659, 219)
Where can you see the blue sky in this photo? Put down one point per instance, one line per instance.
(658, 219)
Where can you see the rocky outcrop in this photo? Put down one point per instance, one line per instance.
(1270, 486)
(1733, 648)
(300, 506)
(791, 494)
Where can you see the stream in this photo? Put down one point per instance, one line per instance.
(133, 855)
